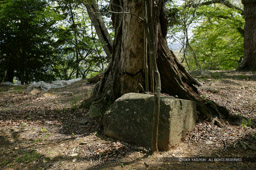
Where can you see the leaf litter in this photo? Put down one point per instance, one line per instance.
(50, 131)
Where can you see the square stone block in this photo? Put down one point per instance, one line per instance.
(130, 118)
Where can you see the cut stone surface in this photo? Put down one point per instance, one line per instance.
(130, 119)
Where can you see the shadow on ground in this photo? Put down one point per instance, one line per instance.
(79, 143)
(29, 158)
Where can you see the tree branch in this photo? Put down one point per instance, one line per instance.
(224, 2)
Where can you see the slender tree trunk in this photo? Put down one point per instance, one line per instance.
(4, 76)
(10, 74)
(97, 21)
(249, 60)
(76, 50)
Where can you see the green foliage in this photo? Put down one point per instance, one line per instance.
(217, 44)
(172, 13)
(47, 40)
(216, 39)
(75, 102)
(44, 130)
(79, 50)
(25, 33)
(38, 140)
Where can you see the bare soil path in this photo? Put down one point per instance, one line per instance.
(48, 130)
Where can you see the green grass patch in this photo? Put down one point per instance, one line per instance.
(38, 140)
(19, 89)
(5, 163)
(28, 157)
(3, 88)
(75, 101)
(246, 123)
(44, 130)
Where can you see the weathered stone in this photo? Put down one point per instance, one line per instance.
(130, 119)
(95, 111)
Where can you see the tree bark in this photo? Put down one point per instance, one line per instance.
(249, 59)
(126, 69)
(76, 50)
(10, 74)
(4, 76)
(224, 2)
(98, 23)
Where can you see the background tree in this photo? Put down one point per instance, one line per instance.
(25, 46)
(97, 21)
(181, 31)
(47, 40)
(217, 40)
(249, 60)
(80, 53)
(213, 25)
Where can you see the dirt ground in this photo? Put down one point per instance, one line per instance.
(48, 130)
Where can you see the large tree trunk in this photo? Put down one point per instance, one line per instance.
(249, 60)
(126, 70)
